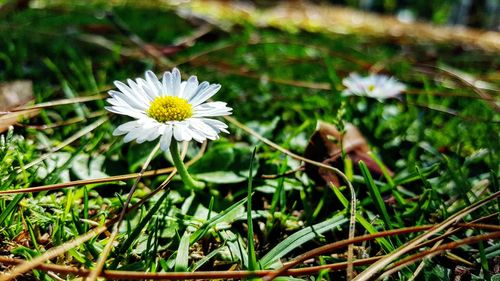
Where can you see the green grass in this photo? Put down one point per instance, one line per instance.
(442, 162)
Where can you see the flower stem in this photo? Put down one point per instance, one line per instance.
(181, 168)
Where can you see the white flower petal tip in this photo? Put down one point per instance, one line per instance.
(375, 86)
(168, 109)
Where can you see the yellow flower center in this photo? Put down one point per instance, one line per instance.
(371, 88)
(168, 108)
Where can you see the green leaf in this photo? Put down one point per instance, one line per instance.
(218, 158)
(220, 177)
(56, 160)
(86, 167)
(299, 238)
(182, 258)
(436, 272)
(223, 163)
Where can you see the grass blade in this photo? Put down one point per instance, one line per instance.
(299, 238)
(252, 258)
(182, 258)
(213, 221)
(137, 230)
(375, 194)
(10, 208)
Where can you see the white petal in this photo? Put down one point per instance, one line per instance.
(353, 86)
(127, 91)
(168, 89)
(117, 132)
(186, 130)
(211, 106)
(205, 95)
(115, 102)
(123, 88)
(346, 93)
(211, 109)
(215, 122)
(181, 133)
(190, 88)
(153, 81)
(212, 113)
(200, 126)
(126, 127)
(149, 129)
(147, 90)
(132, 102)
(181, 88)
(137, 89)
(157, 132)
(166, 138)
(176, 82)
(132, 135)
(197, 136)
(201, 88)
(125, 111)
(217, 125)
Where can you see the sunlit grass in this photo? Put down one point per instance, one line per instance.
(440, 140)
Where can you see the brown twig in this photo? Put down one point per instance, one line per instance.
(233, 274)
(434, 251)
(340, 244)
(379, 265)
(421, 266)
(134, 38)
(134, 275)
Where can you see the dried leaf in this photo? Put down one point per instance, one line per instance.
(14, 94)
(325, 146)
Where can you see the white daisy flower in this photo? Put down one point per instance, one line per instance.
(168, 109)
(374, 86)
